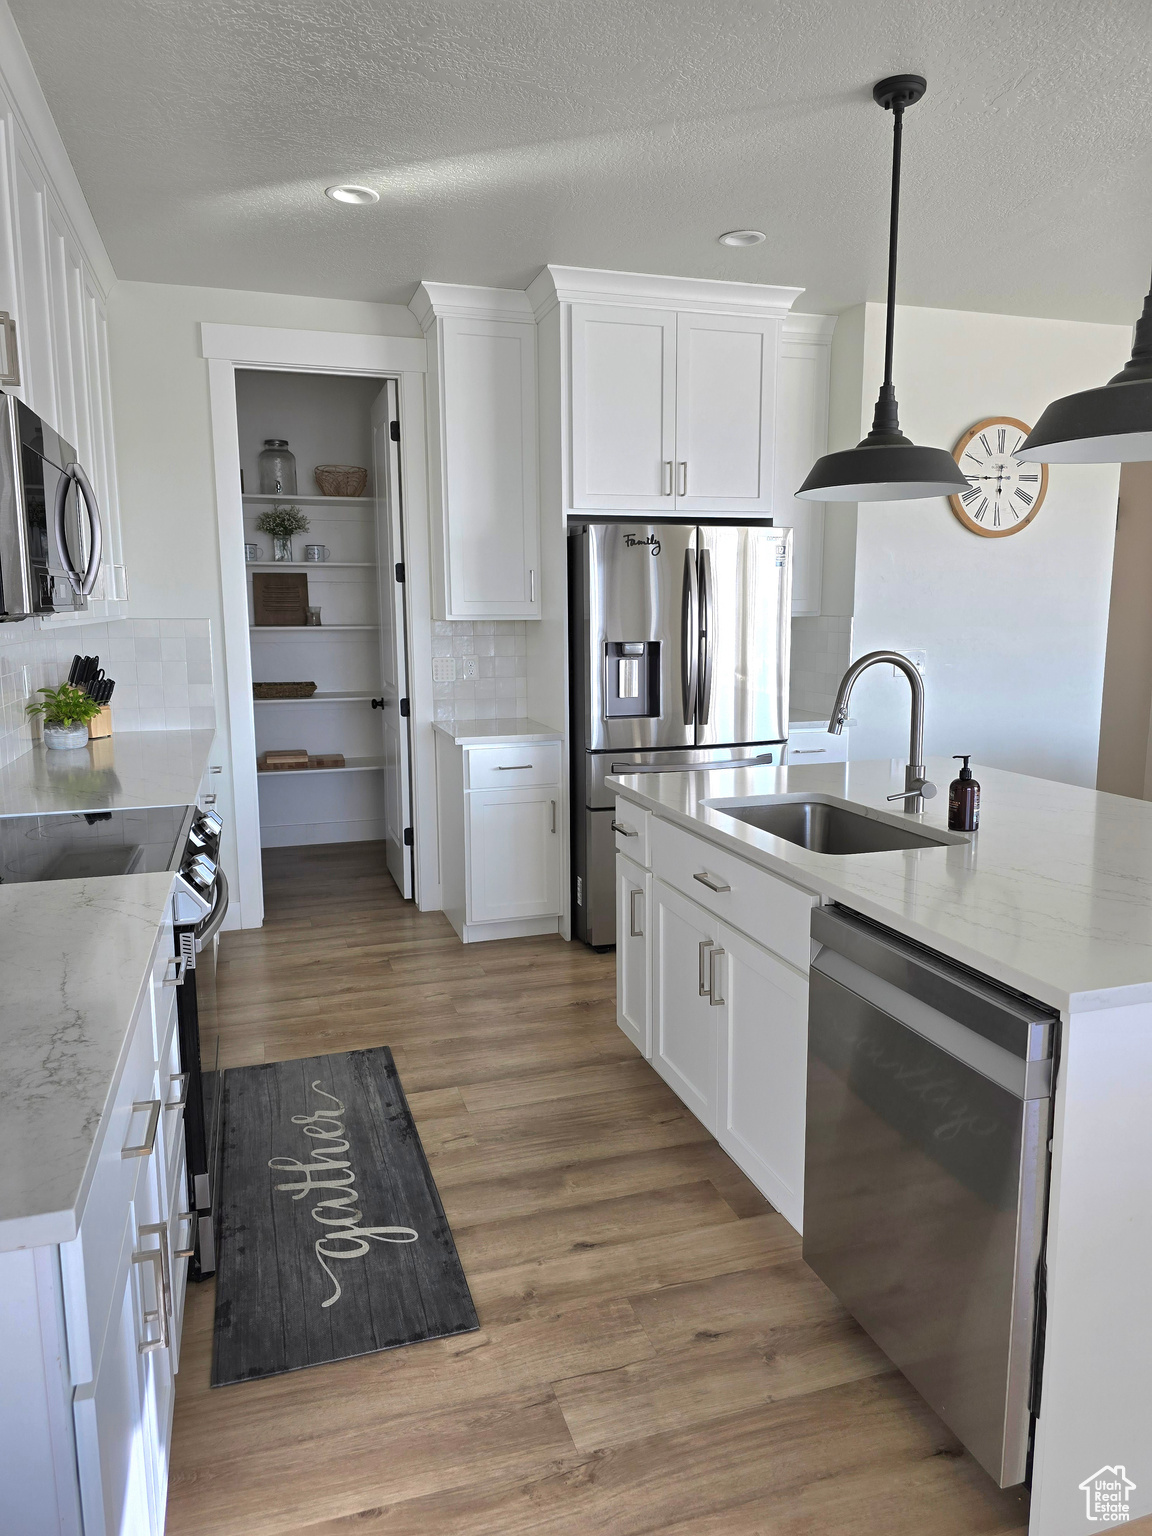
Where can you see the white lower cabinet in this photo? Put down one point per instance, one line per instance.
(633, 899)
(685, 1027)
(725, 1019)
(513, 853)
(763, 1070)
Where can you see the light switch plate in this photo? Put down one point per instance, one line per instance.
(471, 667)
(443, 669)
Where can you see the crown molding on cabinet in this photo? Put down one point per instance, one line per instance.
(432, 301)
(698, 295)
(19, 84)
(816, 329)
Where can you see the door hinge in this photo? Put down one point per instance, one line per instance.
(394, 431)
(407, 837)
(399, 570)
(404, 707)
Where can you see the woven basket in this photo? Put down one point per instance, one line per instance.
(283, 690)
(340, 479)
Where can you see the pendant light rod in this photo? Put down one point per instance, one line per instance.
(893, 238)
(893, 95)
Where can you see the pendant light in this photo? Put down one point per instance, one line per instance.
(1108, 425)
(886, 466)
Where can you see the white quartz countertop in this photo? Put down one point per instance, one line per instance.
(125, 771)
(75, 957)
(1052, 896)
(484, 733)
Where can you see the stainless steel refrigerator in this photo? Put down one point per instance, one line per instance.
(679, 656)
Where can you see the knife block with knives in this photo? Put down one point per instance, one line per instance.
(87, 673)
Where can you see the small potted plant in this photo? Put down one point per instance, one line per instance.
(66, 712)
(281, 523)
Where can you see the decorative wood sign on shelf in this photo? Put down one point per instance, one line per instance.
(279, 599)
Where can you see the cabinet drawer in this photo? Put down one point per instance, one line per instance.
(512, 767)
(630, 829)
(815, 747)
(164, 978)
(89, 1261)
(174, 1092)
(772, 911)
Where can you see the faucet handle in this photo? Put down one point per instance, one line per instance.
(915, 786)
(927, 789)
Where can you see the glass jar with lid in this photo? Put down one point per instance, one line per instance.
(277, 468)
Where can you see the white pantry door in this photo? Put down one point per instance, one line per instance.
(393, 643)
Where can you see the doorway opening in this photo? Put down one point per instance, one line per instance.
(326, 613)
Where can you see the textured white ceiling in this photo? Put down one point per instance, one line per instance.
(503, 134)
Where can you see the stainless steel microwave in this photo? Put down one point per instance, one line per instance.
(50, 535)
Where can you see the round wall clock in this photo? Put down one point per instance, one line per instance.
(1004, 493)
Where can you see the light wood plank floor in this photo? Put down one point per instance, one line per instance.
(653, 1355)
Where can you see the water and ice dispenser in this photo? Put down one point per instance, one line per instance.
(632, 679)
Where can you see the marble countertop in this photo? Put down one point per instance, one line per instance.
(1052, 896)
(75, 958)
(125, 771)
(482, 733)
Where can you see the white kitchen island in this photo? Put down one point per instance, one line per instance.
(1052, 898)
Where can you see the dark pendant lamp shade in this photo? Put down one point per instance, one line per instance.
(886, 466)
(1108, 425)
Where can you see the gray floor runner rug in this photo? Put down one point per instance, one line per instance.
(333, 1240)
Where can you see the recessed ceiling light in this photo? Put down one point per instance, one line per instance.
(743, 237)
(351, 193)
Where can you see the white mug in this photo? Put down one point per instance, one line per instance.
(316, 552)
(253, 552)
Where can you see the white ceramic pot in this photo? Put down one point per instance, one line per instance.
(65, 736)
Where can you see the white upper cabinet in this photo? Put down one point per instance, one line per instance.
(725, 399)
(483, 451)
(801, 437)
(623, 408)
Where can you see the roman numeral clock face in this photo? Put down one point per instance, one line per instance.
(1004, 493)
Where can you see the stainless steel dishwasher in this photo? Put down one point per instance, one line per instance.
(926, 1173)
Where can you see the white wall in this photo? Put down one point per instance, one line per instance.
(164, 441)
(1014, 629)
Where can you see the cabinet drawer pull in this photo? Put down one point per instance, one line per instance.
(634, 927)
(191, 1217)
(210, 799)
(513, 767)
(146, 1147)
(666, 482)
(176, 979)
(705, 946)
(157, 1257)
(682, 472)
(182, 1079)
(714, 997)
(712, 882)
(618, 826)
(808, 751)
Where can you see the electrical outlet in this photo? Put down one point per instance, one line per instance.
(919, 660)
(443, 669)
(471, 668)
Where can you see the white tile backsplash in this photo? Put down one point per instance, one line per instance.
(500, 686)
(162, 667)
(821, 651)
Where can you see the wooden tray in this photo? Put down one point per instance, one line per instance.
(283, 690)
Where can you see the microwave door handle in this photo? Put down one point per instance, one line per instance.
(96, 544)
(689, 636)
(707, 611)
(63, 486)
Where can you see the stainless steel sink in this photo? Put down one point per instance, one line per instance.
(826, 828)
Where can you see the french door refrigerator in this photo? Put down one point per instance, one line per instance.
(679, 658)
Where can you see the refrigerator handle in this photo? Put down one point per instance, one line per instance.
(689, 636)
(707, 603)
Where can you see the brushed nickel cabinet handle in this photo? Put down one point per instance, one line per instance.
(154, 1257)
(714, 998)
(712, 882)
(808, 751)
(682, 473)
(618, 826)
(11, 374)
(176, 979)
(182, 1079)
(147, 1146)
(553, 818)
(633, 923)
(666, 483)
(531, 586)
(513, 767)
(191, 1217)
(705, 946)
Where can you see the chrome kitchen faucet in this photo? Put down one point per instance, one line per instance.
(917, 788)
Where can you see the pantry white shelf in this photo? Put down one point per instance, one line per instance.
(315, 566)
(322, 698)
(309, 501)
(312, 630)
(351, 765)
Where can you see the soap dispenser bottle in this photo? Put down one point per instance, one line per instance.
(963, 800)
